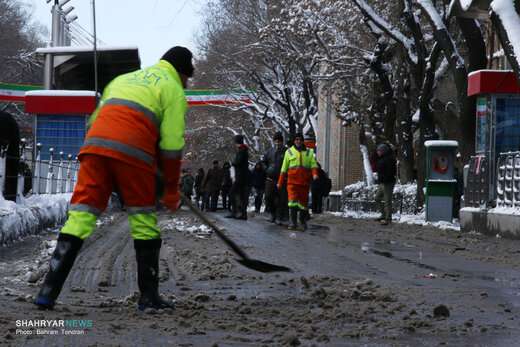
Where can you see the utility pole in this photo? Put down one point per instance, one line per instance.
(95, 49)
(60, 36)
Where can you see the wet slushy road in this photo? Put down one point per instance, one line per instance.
(354, 283)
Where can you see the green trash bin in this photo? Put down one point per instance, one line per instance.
(441, 183)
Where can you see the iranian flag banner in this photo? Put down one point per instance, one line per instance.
(217, 97)
(16, 93)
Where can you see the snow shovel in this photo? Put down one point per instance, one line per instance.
(253, 264)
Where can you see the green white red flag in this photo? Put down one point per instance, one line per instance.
(16, 93)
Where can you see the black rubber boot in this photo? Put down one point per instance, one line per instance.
(293, 218)
(303, 219)
(65, 253)
(147, 255)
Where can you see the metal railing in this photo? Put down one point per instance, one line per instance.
(54, 176)
(508, 180)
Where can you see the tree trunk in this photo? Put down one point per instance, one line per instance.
(404, 129)
(477, 60)
(505, 39)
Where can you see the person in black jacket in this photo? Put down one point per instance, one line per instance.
(275, 200)
(10, 149)
(199, 194)
(386, 168)
(227, 182)
(240, 188)
(258, 184)
(318, 191)
(211, 186)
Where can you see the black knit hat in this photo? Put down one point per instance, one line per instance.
(239, 139)
(300, 135)
(180, 58)
(278, 136)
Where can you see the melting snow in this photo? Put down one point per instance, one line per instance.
(186, 226)
(31, 216)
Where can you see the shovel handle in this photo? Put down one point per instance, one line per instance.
(218, 231)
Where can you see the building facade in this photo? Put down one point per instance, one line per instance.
(338, 146)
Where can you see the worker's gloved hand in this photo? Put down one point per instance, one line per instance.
(171, 169)
(172, 201)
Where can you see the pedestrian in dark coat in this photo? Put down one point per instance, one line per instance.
(211, 186)
(199, 194)
(227, 182)
(275, 200)
(386, 169)
(187, 182)
(10, 148)
(318, 190)
(240, 188)
(258, 184)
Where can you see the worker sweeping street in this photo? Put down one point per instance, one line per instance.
(299, 167)
(137, 129)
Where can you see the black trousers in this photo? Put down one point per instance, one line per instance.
(213, 200)
(317, 203)
(239, 195)
(276, 200)
(226, 201)
(259, 197)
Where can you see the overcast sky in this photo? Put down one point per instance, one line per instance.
(153, 25)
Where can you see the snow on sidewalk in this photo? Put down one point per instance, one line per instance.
(31, 216)
(417, 219)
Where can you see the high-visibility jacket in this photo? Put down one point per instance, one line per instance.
(140, 113)
(298, 167)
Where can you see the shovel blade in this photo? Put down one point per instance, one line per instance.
(262, 266)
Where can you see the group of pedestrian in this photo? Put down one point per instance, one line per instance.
(282, 178)
(232, 186)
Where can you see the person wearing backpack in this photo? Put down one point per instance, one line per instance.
(320, 188)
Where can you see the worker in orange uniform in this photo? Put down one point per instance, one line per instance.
(137, 129)
(299, 167)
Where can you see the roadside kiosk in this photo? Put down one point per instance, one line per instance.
(492, 190)
(497, 131)
(441, 182)
(60, 125)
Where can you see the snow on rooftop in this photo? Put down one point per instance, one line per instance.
(505, 10)
(79, 49)
(485, 70)
(441, 143)
(61, 93)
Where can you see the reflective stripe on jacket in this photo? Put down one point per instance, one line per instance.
(138, 111)
(298, 166)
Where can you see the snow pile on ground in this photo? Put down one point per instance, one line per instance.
(31, 216)
(185, 225)
(32, 273)
(404, 204)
